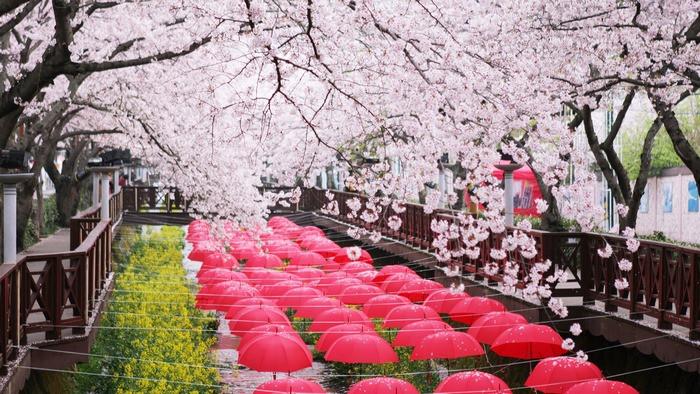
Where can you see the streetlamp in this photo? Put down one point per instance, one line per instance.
(508, 166)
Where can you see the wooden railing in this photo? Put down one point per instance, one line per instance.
(664, 281)
(151, 199)
(49, 296)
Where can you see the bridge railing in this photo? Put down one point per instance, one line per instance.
(152, 199)
(46, 297)
(664, 281)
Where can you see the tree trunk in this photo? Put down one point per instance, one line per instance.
(67, 199)
(39, 211)
(25, 207)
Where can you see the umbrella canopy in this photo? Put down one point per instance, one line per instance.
(442, 301)
(391, 269)
(473, 382)
(275, 291)
(412, 333)
(264, 329)
(489, 326)
(356, 267)
(201, 250)
(558, 374)
(246, 302)
(223, 301)
(394, 282)
(296, 297)
(264, 260)
(263, 277)
(217, 275)
(307, 274)
(447, 345)
(405, 314)
(312, 307)
(381, 305)
(342, 256)
(245, 251)
(468, 310)
(383, 385)
(602, 387)
(330, 278)
(284, 251)
(289, 386)
(335, 316)
(367, 276)
(418, 290)
(308, 259)
(361, 349)
(334, 333)
(528, 342)
(336, 288)
(219, 260)
(275, 352)
(324, 247)
(254, 316)
(359, 294)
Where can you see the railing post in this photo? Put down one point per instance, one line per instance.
(693, 298)
(633, 279)
(662, 323)
(586, 269)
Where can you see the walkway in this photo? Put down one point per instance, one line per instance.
(56, 242)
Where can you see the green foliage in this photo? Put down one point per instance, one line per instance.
(50, 216)
(162, 338)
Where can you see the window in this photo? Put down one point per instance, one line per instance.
(667, 190)
(692, 196)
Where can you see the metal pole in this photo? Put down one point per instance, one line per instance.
(9, 223)
(104, 213)
(508, 195)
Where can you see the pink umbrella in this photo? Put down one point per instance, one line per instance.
(308, 259)
(381, 305)
(395, 282)
(336, 332)
(447, 345)
(312, 307)
(254, 316)
(489, 326)
(245, 252)
(289, 386)
(307, 274)
(442, 301)
(264, 277)
(383, 385)
(412, 333)
(275, 291)
(602, 387)
(219, 260)
(342, 256)
(468, 310)
(473, 382)
(356, 267)
(218, 275)
(528, 342)
(201, 250)
(275, 352)
(335, 316)
(264, 260)
(359, 294)
(326, 248)
(418, 290)
(361, 349)
(255, 332)
(392, 269)
(296, 297)
(284, 251)
(367, 277)
(405, 314)
(558, 374)
(336, 288)
(331, 278)
(228, 296)
(246, 302)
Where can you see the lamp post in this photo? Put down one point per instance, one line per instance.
(508, 166)
(104, 174)
(9, 220)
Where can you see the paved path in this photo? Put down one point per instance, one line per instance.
(56, 242)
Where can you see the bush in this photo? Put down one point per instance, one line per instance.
(161, 337)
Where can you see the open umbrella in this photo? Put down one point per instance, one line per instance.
(229, 296)
(275, 291)
(356, 267)
(246, 302)
(558, 374)
(296, 297)
(331, 278)
(367, 276)
(335, 316)
(312, 307)
(359, 294)
(447, 345)
(468, 310)
(489, 326)
(245, 252)
(217, 275)
(342, 256)
(412, 333)
(336, 288)
(381, 305)
(308, 259)
(602, 387)
(286, 251)
(289, 386)
(275, 352)
(264, 260)
(264, 329)
(383, 385)
(528, 342)
(254, 316)
(219, 260)
(334, 333)
(404, 314)
(201, 250)
(393, 283)
(419, 289)
(473, 382)
(442, 301)
(391, 269)
(361, 349)
(307, 274)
